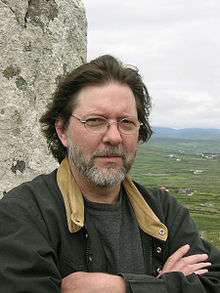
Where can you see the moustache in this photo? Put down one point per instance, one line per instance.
(108, 152)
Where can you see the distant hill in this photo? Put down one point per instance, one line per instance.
(186, 133)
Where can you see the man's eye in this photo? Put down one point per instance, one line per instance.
(127, 122)
(95, 121)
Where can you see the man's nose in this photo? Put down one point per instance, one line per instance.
(112, 134)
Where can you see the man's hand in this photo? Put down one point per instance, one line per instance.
(188, 265)
(81, 282)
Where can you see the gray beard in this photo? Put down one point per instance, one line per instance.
(105, 178)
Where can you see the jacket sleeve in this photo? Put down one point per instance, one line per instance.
(27, 259)
(174, 282)
(182, 230)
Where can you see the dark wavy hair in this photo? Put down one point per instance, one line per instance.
(100, 71)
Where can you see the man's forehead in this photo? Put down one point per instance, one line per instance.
(109, 97)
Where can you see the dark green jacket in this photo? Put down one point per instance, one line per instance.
(37, 250)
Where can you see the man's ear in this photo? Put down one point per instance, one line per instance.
(61, 132)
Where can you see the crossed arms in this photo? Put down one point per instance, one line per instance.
(82, 282)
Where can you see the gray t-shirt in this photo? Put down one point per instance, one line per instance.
(114, 237)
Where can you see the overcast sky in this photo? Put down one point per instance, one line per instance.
(176, 46)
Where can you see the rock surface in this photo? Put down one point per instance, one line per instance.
(40, 40)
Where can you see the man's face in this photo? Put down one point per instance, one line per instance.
(102, 159)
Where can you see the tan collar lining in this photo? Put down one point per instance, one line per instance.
(74, 205)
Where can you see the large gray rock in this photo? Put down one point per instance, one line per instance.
(40, 40)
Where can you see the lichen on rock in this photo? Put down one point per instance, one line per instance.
(36, 51)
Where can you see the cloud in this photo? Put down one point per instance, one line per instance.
(185, 109)
(175, 46)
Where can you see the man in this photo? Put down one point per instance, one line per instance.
(86, 227)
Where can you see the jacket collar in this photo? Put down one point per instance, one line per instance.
(74, 204)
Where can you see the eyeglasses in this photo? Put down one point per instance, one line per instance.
(99, 124)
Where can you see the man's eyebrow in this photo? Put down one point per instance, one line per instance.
(94, 115)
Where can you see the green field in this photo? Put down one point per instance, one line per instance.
(185, 166)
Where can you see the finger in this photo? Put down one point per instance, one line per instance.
(177, 255)
(199, 266)
(193, 259)
(201, 272)
(188, 269)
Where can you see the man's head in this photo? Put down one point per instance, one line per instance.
(100, 71)
(102, 134)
